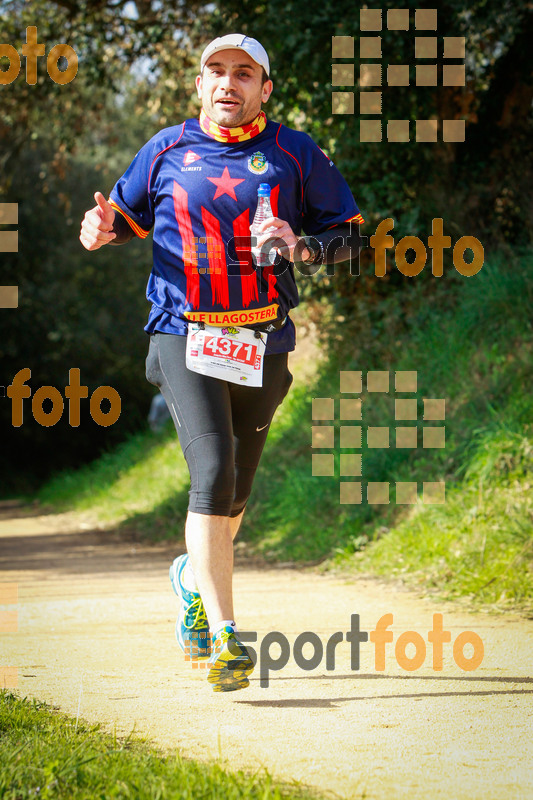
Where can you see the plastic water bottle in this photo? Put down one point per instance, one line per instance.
(262, 257)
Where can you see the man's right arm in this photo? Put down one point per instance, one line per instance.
(130, 199)
(122, 229)
(104, 225)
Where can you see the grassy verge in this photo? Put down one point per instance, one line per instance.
(471, 344)
(479, 545)
(143, 482)
(48, 755)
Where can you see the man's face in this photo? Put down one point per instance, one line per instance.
(231, 89)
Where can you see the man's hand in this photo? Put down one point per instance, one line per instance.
(284, 232)
(97, 224)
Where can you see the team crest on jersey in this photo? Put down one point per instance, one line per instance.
(257, 163)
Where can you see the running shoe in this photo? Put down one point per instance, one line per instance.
(192, 627)
(230, 662)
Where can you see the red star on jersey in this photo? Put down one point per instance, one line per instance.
(225, 184)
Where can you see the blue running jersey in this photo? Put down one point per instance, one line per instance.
(200, 194)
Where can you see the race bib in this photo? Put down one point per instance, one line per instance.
(231, 354)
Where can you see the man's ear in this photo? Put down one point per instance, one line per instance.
(199, 86)
(267, 90)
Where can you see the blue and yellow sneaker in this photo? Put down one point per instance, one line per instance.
(192, 627)
(230, 662)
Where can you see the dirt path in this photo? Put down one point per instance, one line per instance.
(95, 637)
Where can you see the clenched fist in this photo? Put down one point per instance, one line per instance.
(97, 224)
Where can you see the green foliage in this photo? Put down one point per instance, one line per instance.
(49, 755)
(478, 546)
(143, 481)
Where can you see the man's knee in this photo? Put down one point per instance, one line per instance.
(210, 460)
(244, 479)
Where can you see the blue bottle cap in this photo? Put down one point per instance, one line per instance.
(263, 190)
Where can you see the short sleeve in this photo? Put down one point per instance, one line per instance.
(327, 200)
(130, 195)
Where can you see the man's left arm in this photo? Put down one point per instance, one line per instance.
(339, 243)
(330, 216)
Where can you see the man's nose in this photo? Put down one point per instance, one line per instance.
(227, 81)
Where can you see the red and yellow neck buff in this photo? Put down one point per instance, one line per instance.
(233, 134)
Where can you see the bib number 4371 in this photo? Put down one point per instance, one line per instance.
(226, 348)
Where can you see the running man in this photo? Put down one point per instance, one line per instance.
(196, 185)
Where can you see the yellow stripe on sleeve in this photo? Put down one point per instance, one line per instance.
(142, 234)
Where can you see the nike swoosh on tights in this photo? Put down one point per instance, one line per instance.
(263, 428)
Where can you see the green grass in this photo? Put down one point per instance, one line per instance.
(471, 342)
(111, 484)
(48, 755)
(143, 482)
(478, 545)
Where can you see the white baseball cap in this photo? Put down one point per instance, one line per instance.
(237, 41)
